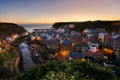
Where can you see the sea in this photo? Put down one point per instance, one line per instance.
(30, 27)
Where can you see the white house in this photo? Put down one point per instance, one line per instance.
(9, 39)
(93, 46)
(102, 36)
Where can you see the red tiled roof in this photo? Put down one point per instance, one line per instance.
(101, 30)
(108, 36)
(94, 54)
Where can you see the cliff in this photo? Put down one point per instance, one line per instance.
(7, 29)
(80, 26)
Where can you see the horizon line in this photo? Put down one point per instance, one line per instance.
(55, 22)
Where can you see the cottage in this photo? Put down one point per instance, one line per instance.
(54, 43)
(93, 56)
(93, 45)
(9, 39)
(66, 45)
(117, 40)
(76, 56)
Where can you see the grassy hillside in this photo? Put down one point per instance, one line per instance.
(7, 29)
(80, 26)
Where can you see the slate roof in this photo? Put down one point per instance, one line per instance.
(55, 41)
(67, 42)
(94, 41)
(118, 38)
(76, 55)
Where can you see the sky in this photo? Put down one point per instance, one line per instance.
(51, 11)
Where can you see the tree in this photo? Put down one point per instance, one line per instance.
(68, 70)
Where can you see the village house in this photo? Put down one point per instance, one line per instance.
(93, 56)
(76, 56)
(0, 46)
(66, 45)
(93, 45)
(108, 40)
(9, 39)
(115, 42)
(54, 43)
(117, 46)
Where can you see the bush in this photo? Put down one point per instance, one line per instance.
(68, 70)
(5, 73)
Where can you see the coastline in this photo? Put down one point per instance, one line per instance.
(30, 27)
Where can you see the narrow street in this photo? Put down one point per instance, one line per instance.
(27, 60)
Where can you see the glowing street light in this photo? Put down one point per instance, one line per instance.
(14, 36)
(33, 38)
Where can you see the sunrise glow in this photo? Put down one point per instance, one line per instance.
(50, 11)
